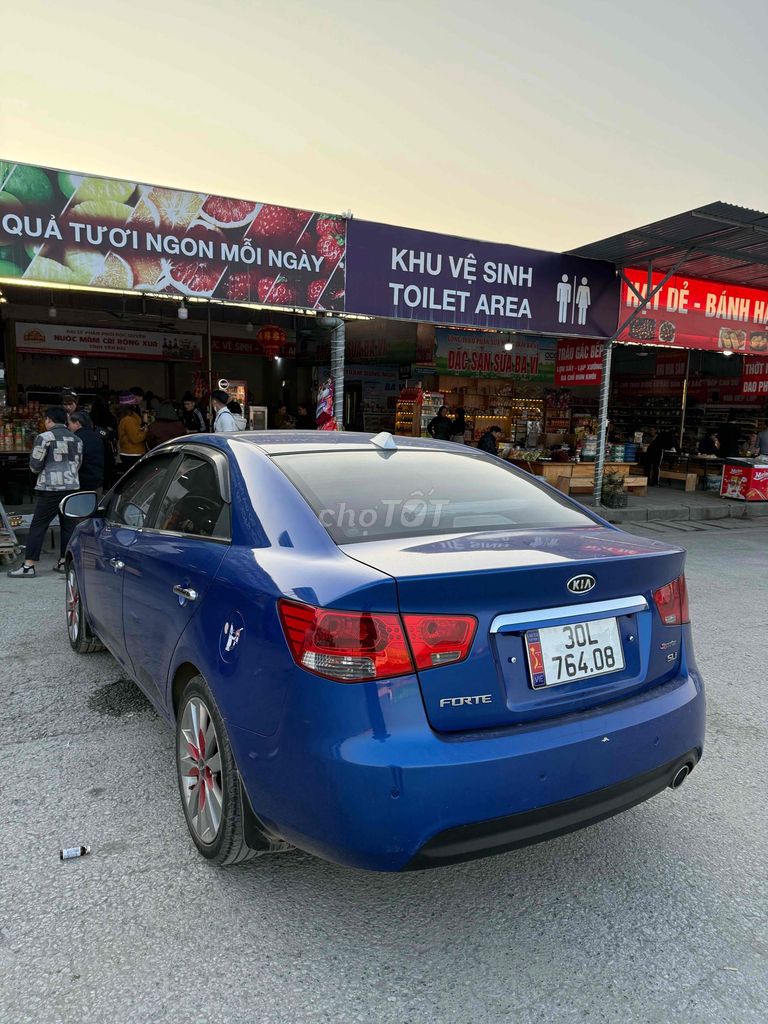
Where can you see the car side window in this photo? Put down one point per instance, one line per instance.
(193, 503)
(132, 503)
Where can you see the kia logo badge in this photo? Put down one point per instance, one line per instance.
(581, 584)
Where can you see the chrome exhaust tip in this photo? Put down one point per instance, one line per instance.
(680, 776)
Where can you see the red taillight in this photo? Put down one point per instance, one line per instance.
(672, 602)
(439, 639)
(347, 646)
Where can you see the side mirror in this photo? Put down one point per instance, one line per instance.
(80, 505)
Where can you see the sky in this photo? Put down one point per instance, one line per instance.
(547, 124)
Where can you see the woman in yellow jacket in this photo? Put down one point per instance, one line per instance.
(131, 432)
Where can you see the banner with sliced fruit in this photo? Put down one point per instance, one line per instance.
(57, 227)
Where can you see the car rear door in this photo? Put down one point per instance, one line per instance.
(171, 565)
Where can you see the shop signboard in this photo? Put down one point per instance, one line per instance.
(415, 275)
(625, 389)
(369, 348)
(579, 363)
(61, 228)
(481, 354)
(691, 313)
(250, 347)
(671, 364)
(754, 377)
(107, 343)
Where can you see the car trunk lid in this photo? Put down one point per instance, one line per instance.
(517, 583)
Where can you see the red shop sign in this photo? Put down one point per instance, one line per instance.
(579, 363)
(754, 377)
(691, 313)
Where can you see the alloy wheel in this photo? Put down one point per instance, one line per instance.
(73, 607)
(200, 770)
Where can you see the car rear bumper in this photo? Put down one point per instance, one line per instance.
(516, 830)
(397, 799)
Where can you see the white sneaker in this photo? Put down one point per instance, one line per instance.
(24, 572)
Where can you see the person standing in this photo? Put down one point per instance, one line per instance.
(191, 416)
(105, 426)
(166, 427)
(92, 467)
(762, 442)
(224, 421)
(662, 442)
(459, 426)
(69, 401)
(441, 426)
(131, 431)
(152, 402)
(237, 414)
(55, 460)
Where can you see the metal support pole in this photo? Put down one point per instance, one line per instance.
(644, 302)
(602, 432)
(338, 343)
(685, 398)
(210, 363)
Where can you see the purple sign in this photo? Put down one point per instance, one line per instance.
(407, 274)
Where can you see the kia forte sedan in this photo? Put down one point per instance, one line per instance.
(393, 653)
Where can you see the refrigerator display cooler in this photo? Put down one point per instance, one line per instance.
(745, 480)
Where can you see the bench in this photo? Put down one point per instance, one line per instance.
(688, 478)
(586, 484)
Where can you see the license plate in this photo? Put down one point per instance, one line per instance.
(565, 654)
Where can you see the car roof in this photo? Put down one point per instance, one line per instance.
(280, 442)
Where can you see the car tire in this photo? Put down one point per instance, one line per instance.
(82, 639)
(213, 811)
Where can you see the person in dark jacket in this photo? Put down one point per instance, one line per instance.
(92, 466)
(489, 442)
(191, 416)
(663, 442)
(55, 461)
(304, 419)
(710, 445)
(459, 426)
(167, 425)
(105, 425)
(441, 426)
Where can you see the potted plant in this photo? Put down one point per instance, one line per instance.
(613, 493)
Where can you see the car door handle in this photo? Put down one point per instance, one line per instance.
(186, 592)
(116, 564)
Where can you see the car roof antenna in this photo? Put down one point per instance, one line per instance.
(384, 440)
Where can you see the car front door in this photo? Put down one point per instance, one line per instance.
(105, 549)
(172, 563)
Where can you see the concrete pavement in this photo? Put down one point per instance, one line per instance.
(656, 915)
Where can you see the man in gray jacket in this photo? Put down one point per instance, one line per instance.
(55, 460)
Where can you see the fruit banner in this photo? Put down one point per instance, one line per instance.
(57, 227)
(407, 274)
(106, 342)
(691, 313)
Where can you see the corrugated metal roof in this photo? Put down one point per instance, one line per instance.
(720, 241)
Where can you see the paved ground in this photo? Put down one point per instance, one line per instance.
(657, 915)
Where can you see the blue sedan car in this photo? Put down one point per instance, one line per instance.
(393, 653)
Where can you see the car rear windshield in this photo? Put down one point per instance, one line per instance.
(365, 496)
